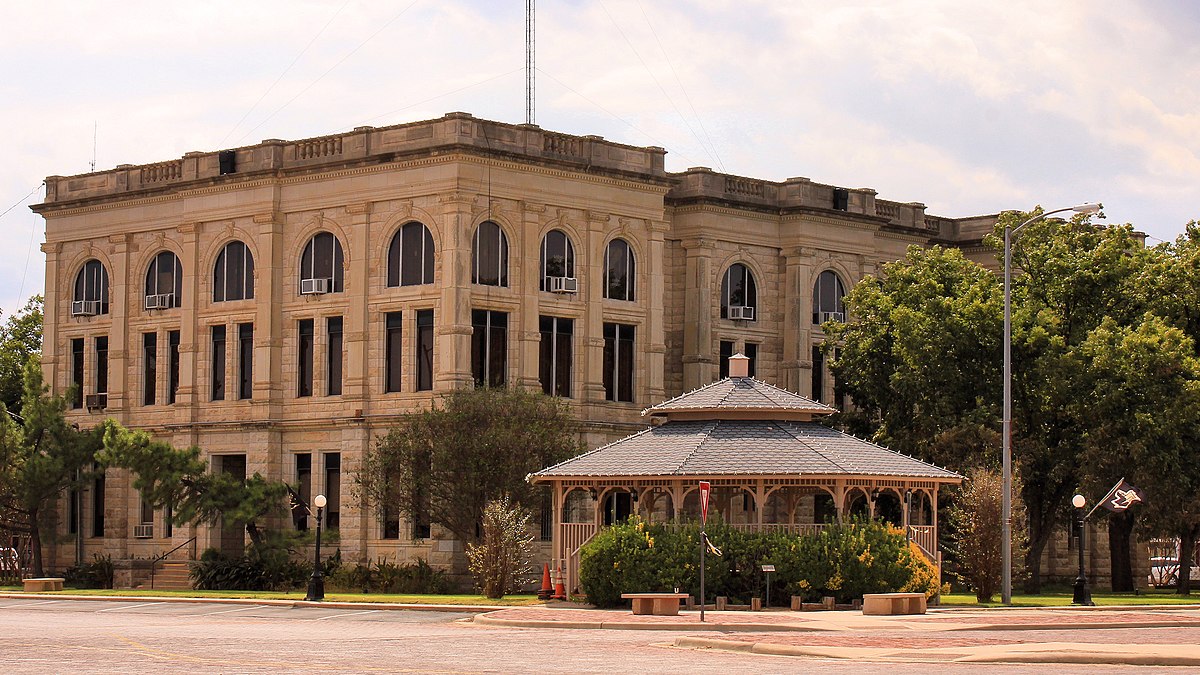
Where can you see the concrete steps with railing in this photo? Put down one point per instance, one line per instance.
(170, 576)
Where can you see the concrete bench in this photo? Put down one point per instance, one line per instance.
(886, 604)
(658, 604)
(43, 584)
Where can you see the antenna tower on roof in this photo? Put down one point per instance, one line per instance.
(530, 61)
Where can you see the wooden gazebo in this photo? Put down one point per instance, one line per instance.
(771, 466)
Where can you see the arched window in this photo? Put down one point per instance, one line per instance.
(827, 298)
(164, 281)
(489, 255)
(91, 290)
(558, 263)
(410, 256)
(321, 265)
(618, 270)
(233, 275)
(739, 295)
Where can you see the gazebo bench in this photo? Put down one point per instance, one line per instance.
(37, 585)
(658, 604)
(886, 604)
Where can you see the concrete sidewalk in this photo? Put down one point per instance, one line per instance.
(941, 636)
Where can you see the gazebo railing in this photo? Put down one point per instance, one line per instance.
(574, 535)
(925, 537)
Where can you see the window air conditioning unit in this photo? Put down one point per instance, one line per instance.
(832, 316)
(737, 313)
(143, 531)
(314, 286)
(562, 284)
(161, 301)
(96, 401)
(85, 308)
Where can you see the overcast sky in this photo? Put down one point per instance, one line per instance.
(968, 107)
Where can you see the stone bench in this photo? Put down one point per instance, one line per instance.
(887, 604)
(658, 604)
(43, 584)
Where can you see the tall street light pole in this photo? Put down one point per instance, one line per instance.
(316, 583)
(1006, 503)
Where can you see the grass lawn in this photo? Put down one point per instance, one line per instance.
(507, 601)
(1062, 598)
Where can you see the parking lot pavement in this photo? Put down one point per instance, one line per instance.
(168, 608)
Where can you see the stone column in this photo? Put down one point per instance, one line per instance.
(119, 292)
(797, 323)
(267, 388)
(656, 342)
(58, 379)
(452, 325)
(590, 268)
(188, 395)
(526, 333)
(356, 385)
(698, 362)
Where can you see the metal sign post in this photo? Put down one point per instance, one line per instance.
(767, 569)
(705, 488)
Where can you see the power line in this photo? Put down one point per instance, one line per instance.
(615, 116)
(340, 61)
(656, 82)
(22, 199)
(675, 74)
(434, 98)
(285, 71)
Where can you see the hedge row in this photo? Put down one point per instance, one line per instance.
(844, 561)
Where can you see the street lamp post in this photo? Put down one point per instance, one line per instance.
(1006, 500)
(1083, 595)
(316, 583)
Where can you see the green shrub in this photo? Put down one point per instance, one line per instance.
(416, 578)
(502, 560)
(258, 570)
(844, 561)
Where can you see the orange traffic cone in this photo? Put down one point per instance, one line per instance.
(560, 591)
(546, 591)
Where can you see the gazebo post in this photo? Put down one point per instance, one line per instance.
(839, 498)
(760, 502)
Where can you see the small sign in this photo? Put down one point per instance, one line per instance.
(705, 488)
(768, 568)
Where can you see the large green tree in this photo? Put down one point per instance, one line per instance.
(472, 447)
(20, 340)
(41, 457)
(179, 478)
(921, 357)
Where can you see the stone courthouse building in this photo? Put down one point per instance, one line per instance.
(280, 305)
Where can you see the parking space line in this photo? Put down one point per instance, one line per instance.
(230, 611)
(30, 604)
(338, 616)
(114, 609)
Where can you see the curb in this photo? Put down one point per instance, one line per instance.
(485, 620)
(271, 602)
(890, 655)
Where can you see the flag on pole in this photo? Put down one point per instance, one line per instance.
(1121, 497)
(295, 501)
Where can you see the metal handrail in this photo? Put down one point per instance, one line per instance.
(154, 563)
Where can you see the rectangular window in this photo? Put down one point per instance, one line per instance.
(149, 368)
(73, 512)
(147, 513)
(304, 488)
(393, 349)
(245, 360)
(304, 357)
(168, 526)
(618, 362)
(389, 519)
(555, 360)
(723, 359)
(333, 357)
(489, 347)
(424, 350)
(818, 373)
(102, 364)
(77, 372)
(333, 489)
(173, 365)
(98, 506)
(218, 363)
(752, 354)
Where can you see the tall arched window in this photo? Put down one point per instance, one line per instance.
(618, 270)
(321, 265)
(489, 255)
(91, 290)
(233, 275)
(164, 281)
(827, 298)
(410, 256)
(739, 295)
(558, 263)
